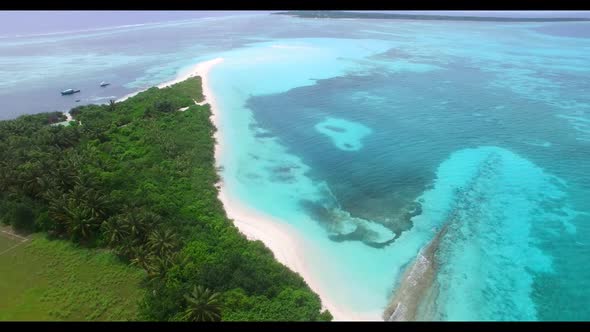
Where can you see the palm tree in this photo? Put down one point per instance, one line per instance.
(149, 218)
(56, 201)
(203, 305)
(15, 127)
(81, 222)
(6, 175)
(81, 210)
(134, 225)
(159, 265)
(64, 137)
(30, 180)
(162, 242)
(96, 201)
(67, 169)
(111, 105)
(113, 232)
(142, 258)
(125, 248)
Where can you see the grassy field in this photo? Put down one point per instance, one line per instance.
(43, 279)
(8, 241)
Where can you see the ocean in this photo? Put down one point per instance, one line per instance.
(369, 137)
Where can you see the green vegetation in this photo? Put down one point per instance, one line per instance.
(203, 306)
(53, 280)
(138, 177)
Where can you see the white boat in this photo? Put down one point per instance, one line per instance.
(69, 92)
(103, 84)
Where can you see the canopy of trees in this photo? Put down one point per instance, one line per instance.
(139, 178)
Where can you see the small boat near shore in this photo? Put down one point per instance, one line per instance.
(103, 84)
(69, 92)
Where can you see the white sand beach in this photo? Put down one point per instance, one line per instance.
(189, 72)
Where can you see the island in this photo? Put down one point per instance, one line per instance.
(119, 206)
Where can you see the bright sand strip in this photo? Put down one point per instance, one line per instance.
(416, 283)
(190, 72)
(286, 243)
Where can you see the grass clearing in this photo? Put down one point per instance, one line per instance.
(8, 241)
(43, 279)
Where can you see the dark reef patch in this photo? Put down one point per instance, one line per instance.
(283, 169)
(336, 129)
(328, 215)
(320, 213)
(253, 176)
(263, 135)
(361, 234)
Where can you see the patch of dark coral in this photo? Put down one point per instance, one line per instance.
(336, 129)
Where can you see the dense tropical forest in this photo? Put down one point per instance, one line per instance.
(138, 178)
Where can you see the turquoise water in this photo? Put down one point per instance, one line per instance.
(368, 146)
(489, 256)
(369, 136)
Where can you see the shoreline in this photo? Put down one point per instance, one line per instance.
(187, 73)
(286, 244)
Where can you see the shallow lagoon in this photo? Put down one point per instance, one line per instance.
(365, 154)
